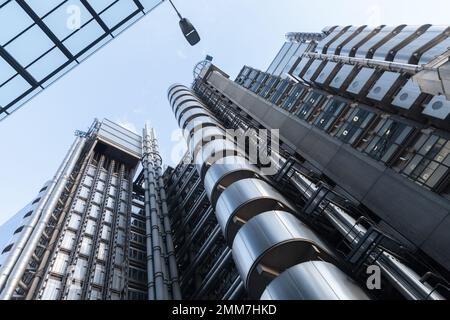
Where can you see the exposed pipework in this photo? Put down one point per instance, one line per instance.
(257, 221)
(371, 63)
(407, 281)
(16, 266)
(162, 270)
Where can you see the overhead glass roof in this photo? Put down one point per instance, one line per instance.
(41, 40)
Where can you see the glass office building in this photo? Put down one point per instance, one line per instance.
(42, 40)
(363, 165)
(360, 182)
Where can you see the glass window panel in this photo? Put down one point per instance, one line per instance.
(42, 7)
(47, 64)
(13, 20)
(59, 20)
(100, 5)
(118, 12)
(6, 71)
(436, 177)
(13, 89)
(84, 37)
(149, 4)
(30, 46)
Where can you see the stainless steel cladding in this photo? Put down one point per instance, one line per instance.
(245, 199)
(221, 175)
(313, 280)
(269, 244)
(257, 221)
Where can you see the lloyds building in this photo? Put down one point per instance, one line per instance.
(360, 182)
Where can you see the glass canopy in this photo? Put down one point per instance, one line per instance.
(41, 40)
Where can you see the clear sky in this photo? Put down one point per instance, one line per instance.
(127, 80)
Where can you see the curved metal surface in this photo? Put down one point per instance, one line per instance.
(191, 115)
(184, 103)
(435, 51)
(374, 42)
(269, 244)
(314, 280)
(213, 152)
(185, 106)
(346, 37)
(323, 45)
(221, 175)
(181, 98)
(406, 54)
(365, 35)
(245, 199)
(198, 124)
(204, 136)
(400, 40)
(174, 86)
(178, 94)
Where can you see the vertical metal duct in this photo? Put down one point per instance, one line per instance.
(162, 270)
(17, 266)
(257, 221)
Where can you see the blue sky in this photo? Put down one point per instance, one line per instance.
(127, 80)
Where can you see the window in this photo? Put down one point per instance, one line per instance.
(267, 90)
(353, 124)
(385, 140)
(312, 102)
(250, 79)
(36, 200)
(43, 189)
(258, 82)
(280, 91)
(329, 115)
(294, 97)
(428, 162)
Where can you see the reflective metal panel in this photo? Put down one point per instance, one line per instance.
(341, 76)
(191, 115)
(313, 280)
(117, 136)
(360, 80)
(405, 54)
(372, 42)
(350, 33)
(383, 85)
(245, 199)
(407, 96)
(221, 175)
(203, 136)
(212, 152)
(350, 47)
(312, 70)
(438, 107)
(435, 51)
(197, 124)
(332, 37)
(326, 72)
(185, 104)
(269, 244)
(177, 94)
(386, 49)
(173, 88)
(302, 64)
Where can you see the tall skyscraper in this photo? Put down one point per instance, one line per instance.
(326, 177)
(43, 40)
(363, 160)
(81, 236)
